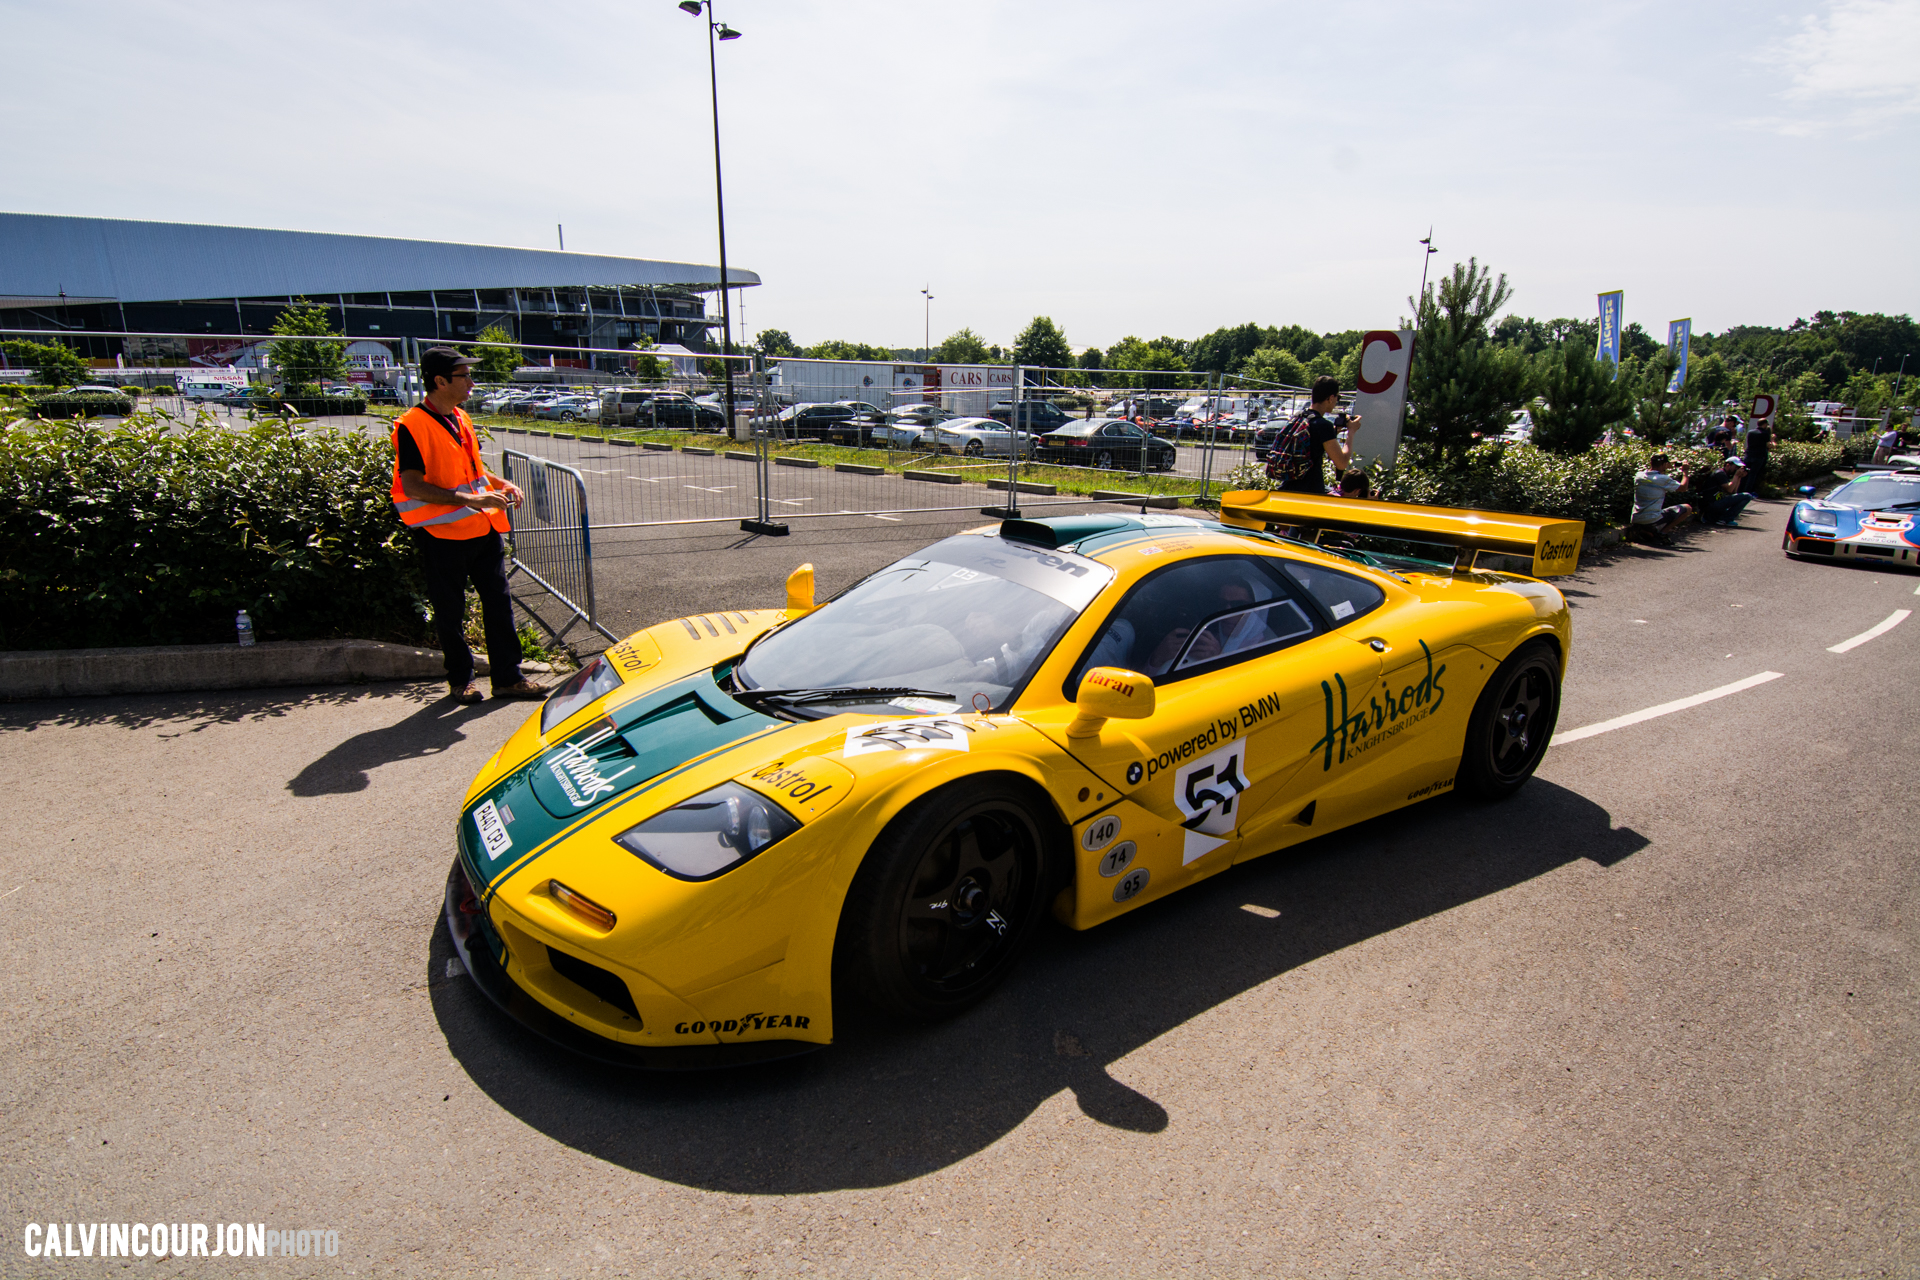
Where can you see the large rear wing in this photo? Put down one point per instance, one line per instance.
(1553, 546)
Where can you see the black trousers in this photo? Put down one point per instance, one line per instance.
(448, 564)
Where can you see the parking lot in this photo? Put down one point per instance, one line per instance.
(1653, 1015)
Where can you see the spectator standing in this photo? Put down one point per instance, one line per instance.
(457, 510)
(1888, 442)
(1653, 519)
(1294, 465)
(1759, 442)
(1721, 437)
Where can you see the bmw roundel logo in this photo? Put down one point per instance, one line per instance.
(1133, 773)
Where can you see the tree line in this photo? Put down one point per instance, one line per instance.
(1474, 365)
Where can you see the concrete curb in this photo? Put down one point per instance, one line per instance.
(859, 469)
(933, 477)
(738, 456)
(797, 462)
(1025, 486)
(71, 673)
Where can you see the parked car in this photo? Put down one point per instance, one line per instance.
(817, 420)
(676, 412)
(571, 409)
(859, 431)
(1035, 416)
(920, 415)
(1106, 444)
(976, 437)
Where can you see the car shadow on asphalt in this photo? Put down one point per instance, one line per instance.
(887, 1103)
(433, 728)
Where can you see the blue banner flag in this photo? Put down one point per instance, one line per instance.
(1679, 333)
(1611, 304)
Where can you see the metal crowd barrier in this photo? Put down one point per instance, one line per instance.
(552, 544)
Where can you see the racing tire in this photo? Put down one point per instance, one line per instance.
(1103, 461)
(947, 899)
(1512, 723)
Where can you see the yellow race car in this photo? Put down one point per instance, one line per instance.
(726, 822)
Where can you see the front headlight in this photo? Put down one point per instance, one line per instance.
(711, 833)
(595, 680)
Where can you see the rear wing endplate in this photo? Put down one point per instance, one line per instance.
(1552, 545)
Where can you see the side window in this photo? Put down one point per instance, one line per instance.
(1198, 616)
(1344, 595)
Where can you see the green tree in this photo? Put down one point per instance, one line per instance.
(1579, 399)
(1304, 343)
(1659, 415)
(1708, 379)
(1227, 350)
(55, 364)
(496, 363)
(1323, 366)
(1275, 364)
(1131, 353)
(836, 349)
(776, 342)
(1042, 345)
(1462, 384)
(964, 347)
(304, 364)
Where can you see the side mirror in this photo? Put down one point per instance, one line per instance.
(800, 592)
(1805, 491)
(1110, 693)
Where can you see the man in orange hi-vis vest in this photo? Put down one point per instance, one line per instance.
(457, 510)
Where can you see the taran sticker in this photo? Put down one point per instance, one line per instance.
(940, 733)
(493, 832)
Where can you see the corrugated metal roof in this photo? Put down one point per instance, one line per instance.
(44, 255)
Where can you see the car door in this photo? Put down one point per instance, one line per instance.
(1238, 654)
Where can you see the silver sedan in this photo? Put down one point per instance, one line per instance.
(976, 437)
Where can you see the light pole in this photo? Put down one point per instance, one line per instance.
(927, 335)
(1427, 240)
(718, 31)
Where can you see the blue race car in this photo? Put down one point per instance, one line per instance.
(1871, 518)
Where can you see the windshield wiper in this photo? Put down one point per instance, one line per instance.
(800, 697)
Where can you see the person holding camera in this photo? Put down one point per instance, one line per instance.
(1309, 436)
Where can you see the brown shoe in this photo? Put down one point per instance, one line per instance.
(467, 696)
(525, 691)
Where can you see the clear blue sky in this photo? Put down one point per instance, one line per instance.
(1124, 167)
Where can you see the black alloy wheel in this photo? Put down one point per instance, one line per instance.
(1512, 723)
(946, 900)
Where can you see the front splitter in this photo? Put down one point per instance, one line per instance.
(493, 981)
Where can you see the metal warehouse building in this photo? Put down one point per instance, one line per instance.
(107, 275)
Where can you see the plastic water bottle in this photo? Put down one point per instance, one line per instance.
(243, 625)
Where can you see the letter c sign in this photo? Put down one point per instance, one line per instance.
(1387, 338)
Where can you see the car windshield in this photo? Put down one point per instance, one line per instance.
(1869, 492)
(971, 621)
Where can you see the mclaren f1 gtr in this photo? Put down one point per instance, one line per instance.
(725, 823)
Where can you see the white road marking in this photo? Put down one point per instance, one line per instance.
(1265, 913)
(1897, 617)
(874, 515)
(655, 479)
(703, 489)
(9, 893)
(1916, 591)
(1664, 709)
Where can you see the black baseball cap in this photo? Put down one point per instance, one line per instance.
(443, 362)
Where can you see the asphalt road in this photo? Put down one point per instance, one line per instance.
(1654, 1015)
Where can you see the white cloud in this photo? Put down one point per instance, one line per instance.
(1857, 66)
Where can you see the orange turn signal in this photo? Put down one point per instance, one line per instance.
(582, 906)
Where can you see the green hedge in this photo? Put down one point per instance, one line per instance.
(90, 404)
(137, 534)
(1595, 486)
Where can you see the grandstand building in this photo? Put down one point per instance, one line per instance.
(168, 283)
